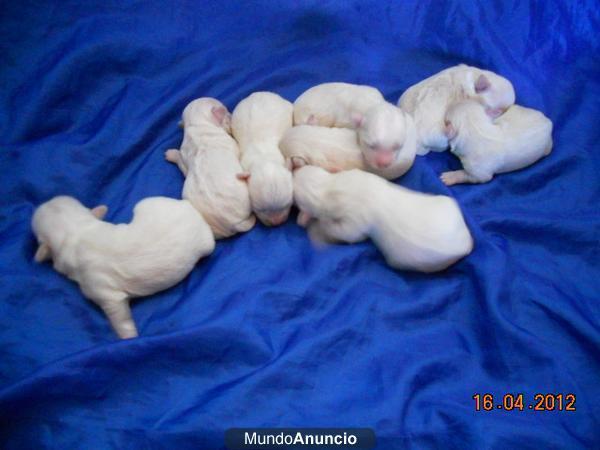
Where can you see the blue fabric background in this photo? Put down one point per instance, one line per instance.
(268, 331)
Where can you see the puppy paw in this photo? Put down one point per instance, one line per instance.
(452, 177)
(172, 155)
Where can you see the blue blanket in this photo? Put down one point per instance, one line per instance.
(267, 331)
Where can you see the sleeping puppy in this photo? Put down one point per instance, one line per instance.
(335, 104)
(113, 263)
(209, 159)
(429, 100)
(258, 123)
(386, 134)
(414, 231)
(515, 140)
(334, 149)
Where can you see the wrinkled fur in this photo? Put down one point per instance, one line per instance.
(385, 133)
(429, 100)
(258, 123)
(516, 139)
(333, 149)
(209, 159)
(414, 231)
(113, 263)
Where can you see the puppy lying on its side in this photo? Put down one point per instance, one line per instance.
(335, 150)
(386, 134)
(413, 231)
(335, 104)
(113, 263)
(209, 159)
(515, 140)
(258, 123)
(429, 100)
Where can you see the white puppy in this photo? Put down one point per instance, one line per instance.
(258, 123)
(209, 159)
(413, 231)
(335, 150)
(429, 100)
(385, 133)
(515, 140)
(113, 263)
(335, 104)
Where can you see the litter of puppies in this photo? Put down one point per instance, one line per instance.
(331, 153)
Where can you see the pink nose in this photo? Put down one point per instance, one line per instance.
(384, 158)
(278, 218)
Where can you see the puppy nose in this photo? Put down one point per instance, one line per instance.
(384, 158)
(278, 218)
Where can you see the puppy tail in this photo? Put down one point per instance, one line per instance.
(246, 224)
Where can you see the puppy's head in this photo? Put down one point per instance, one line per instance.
(464, 119)
(310, 183)
(381, 134)
(271, 192)
(494, 92)
(207, 110)
(54, 220)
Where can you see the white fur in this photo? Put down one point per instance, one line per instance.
(515, 140)
(335, 104)
(333, 149)
(385, 133)
(113, 263)
(429, 100)
(209, 159)
(258, 123)
(413, 231)
(388, 140)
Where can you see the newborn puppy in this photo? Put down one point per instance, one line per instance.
(335, 104)
(428, 100)
(113, 263)
(209, 159)
(385, 133)
(517, 139)
(388, 140)
(334, 149)
(414, 231)
(258, 123)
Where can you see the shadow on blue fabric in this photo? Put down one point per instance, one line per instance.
(268, 332)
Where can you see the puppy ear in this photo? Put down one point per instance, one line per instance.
(297, 162)
(482, 84)
(100, 211)
(358, 120)
(220, 114)
(42, 254)
(449, 130)
(243, 176)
